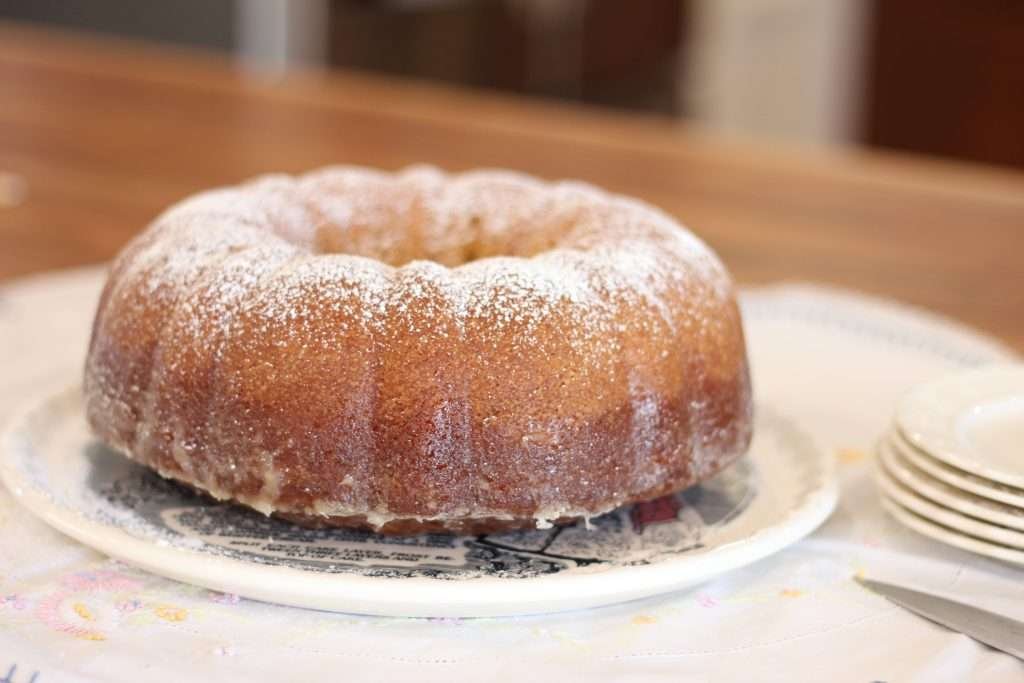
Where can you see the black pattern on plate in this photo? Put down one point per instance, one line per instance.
(144, 504)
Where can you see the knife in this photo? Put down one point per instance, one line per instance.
(995, 630)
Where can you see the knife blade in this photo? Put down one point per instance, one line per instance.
(995, 630)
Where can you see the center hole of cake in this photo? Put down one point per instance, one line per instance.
(397, 245)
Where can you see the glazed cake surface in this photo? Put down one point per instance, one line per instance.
(420, 351)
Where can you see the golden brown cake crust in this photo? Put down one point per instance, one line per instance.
(420, 351)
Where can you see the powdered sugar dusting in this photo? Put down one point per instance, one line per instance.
(507, 227)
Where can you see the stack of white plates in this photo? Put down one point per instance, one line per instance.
(952, 466)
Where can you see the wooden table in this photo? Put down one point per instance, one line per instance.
(96, 137)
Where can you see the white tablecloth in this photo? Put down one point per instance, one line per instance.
(835, 361)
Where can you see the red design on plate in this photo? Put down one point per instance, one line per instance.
(664, 509)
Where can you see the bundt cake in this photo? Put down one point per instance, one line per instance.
(420, 351)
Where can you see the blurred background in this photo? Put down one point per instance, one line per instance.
(938, 77)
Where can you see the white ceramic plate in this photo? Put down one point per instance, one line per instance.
(951, 536)
(953, 498)
(972, 420)
(954, 477)
(943, 516)
(776, 495)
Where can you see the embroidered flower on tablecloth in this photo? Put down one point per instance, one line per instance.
(128, 606)
(13, 601)
(81, 608)
(224, 598)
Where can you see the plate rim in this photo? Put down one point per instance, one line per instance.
(951, 519)
(962, 479)
(951, 537)
(375, 595)
(910, 425)
(904, 473)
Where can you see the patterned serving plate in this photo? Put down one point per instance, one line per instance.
(777, 494)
